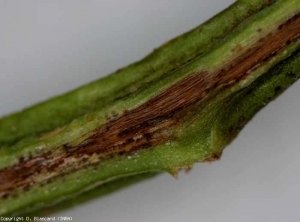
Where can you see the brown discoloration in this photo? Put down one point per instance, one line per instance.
(212, 157)
(236, 49)
(152, 123)
(174, 173)
(61, 161)
(188, 169)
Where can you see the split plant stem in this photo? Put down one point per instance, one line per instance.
(183, 103)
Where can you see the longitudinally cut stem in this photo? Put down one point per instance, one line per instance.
(180, 105)
(94, 96)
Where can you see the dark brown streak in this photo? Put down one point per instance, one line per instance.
(150, 123)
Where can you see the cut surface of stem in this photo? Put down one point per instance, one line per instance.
(180, 105)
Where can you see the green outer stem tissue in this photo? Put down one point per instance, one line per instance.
(181, 104)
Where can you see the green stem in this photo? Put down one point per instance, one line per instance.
(63, 109)
(180, 105)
